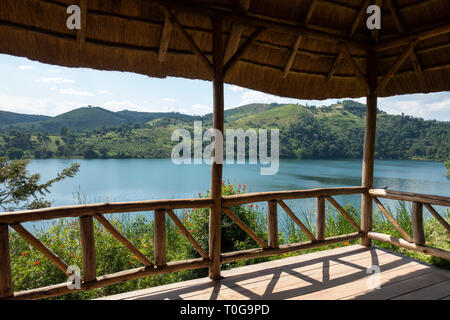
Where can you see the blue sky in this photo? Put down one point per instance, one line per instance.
(35, 88)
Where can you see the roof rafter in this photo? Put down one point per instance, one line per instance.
(197, 51)
(396, 66)
(272, 24)
(165, 39)
(242, 49)
(298, 39)
(402, 29)
(358, 73)
(81, 34)
(236, 31)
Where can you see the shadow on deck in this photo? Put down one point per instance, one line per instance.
(339, 273)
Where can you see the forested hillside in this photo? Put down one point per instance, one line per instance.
(333, 132)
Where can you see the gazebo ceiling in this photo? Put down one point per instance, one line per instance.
(310, 49)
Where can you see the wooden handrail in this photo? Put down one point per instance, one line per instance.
(408, 196)
(86, 213)
(101, 208)
(238, 199)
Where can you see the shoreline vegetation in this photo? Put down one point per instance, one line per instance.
(306, 132)
(31, 269)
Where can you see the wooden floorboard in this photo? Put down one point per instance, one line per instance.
(436, 291)
(340, 273)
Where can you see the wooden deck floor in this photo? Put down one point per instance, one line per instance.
(339, 273)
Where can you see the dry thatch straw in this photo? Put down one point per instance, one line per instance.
(127, 35)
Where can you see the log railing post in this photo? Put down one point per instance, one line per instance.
(88, 248)
(160, 238)
(320, 218)
(369, 148)
(215, 212)
(272, 224)
(417, 223)
(6, 289)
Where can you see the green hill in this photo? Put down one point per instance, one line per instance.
(332, 132)
(8, 118)
(86, 119)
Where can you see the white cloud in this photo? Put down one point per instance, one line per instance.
(122, 105)
(427, 106)
(169, 99)
(200, 108)
(74, 92)
(56, 80)
(25, 67)
(105, 92)
(54, 70)
(29, 105)
(235, 88)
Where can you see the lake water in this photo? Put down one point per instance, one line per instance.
(145, 179)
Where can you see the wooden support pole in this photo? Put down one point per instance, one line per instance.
(244, 227)
(6, 288)
(186, 233)
(369, 147)
(392, 220)
(35, 242)
(344, 213)
(291, 214)
(417, 223)
(88, 248)
(127, 243)
(216, 169)
(160, 238)
(272, 224)
(320, 218)
(437, 216)
(436, 252)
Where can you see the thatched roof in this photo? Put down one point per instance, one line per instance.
(129, 35)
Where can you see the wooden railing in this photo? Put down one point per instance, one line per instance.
(417, 241)
(162, 208)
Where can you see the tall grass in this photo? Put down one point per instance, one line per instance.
(31, 269)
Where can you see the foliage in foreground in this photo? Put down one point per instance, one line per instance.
(31, 269)
(20, 189)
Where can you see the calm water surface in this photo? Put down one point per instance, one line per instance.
(146, 179)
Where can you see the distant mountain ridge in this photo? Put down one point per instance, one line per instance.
(7, 118)
(81, 119)
(306, 132)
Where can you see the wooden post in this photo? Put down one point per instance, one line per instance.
(417, 223)
(6, 289)
(272, 224)
(369, 147)
(216, 170)
(320, 218)
(88, 248)
(160, 238)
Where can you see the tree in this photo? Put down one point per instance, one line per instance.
(19, 189)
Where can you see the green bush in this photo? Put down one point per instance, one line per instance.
(31, 269)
